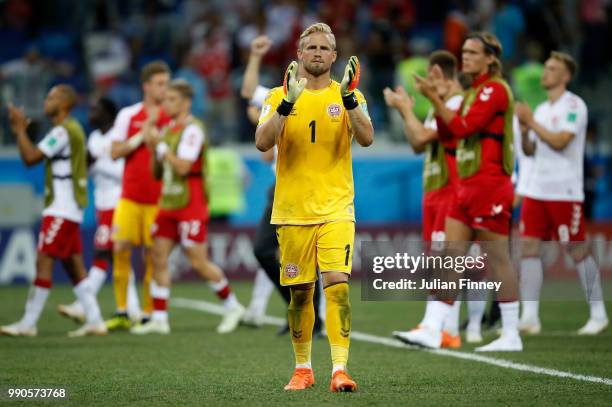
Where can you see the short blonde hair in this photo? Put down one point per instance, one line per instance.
(318, 28)
(567, 60)
(182, 87)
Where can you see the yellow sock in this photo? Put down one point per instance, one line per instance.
(121, 276)
(147, 308)
(301, 322)
(338, 322)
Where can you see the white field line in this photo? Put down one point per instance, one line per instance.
(216, 309)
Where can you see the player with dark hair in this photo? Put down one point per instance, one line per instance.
(107, 175)
(63, 151)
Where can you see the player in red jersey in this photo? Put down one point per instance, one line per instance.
(482, 207)
(64, 153)
(137, 208)
(180, 161)
(554, 193)
(439, 170)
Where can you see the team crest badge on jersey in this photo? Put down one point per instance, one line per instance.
(291, 270)
(334, 111)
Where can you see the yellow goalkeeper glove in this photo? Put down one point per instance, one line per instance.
(349, 83)
(292, 88)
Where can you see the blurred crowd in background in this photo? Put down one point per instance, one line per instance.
(98, 46)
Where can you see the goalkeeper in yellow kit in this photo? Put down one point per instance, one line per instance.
(312, 120)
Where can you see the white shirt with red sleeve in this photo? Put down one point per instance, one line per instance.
(453, 103)
(190, 145)
(558, 175)
(120, 129)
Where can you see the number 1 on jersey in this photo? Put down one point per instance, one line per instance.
(347, 249)
(313, 129)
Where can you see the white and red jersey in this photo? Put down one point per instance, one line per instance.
(190, 148)
(525, 163)
(106, 172)
(191, 143)
(453, 103)
(138, 185)
(56, 147)
(188, 225)
(558, 175)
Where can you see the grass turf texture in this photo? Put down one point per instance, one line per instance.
(194, 365)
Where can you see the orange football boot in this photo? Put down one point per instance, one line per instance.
(449, 341)
(341, 381)
(302, 379)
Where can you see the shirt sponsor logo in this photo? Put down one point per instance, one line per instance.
(291, 270)
(571, 117)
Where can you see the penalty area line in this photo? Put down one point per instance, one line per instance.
(209, 307)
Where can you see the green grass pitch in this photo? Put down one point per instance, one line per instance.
(196, 366)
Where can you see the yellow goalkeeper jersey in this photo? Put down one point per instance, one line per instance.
(314, 174)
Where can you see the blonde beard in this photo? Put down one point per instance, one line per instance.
(316, 74)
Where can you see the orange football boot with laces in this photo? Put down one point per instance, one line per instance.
(302, 379)
(342, 382)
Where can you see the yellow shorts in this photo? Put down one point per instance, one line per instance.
(303, 248)
(132, 222)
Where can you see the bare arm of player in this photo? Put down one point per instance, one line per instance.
(120, 149)
(259, 47)
(528, 145)
(30, 154)
(428, 89)
(363, 131)
(267, 132)
(253, 113)
(268, 156)
(417, 135)
(556, 140)
(180, 166)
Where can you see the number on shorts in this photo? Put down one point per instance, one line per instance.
(348, 252)
(52, 231)
(563, 232)
(189, 228)
(103, 234)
